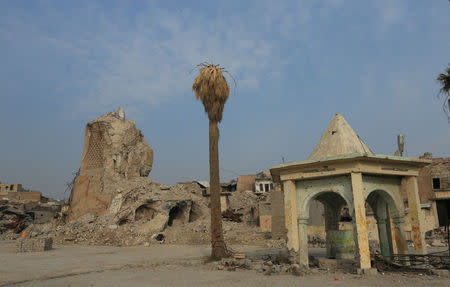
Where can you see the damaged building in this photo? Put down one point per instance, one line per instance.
(343, 171)
(434, 186)
(15, 191)
(114, 149)
(114, 202)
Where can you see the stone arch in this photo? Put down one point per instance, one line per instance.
(380, 194)
(308, 190)
(328, 198)
(384, 207)
(387, 188)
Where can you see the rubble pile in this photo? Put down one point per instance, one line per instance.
(145, 212)
(270, 265)
(114, 202)
(13, 218)
(16, 216)
(437, 237)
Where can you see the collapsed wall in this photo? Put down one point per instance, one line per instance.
(114, 149)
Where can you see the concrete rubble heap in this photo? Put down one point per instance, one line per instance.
(15, 216)
(114, 202)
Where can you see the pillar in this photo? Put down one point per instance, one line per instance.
(290, 214)
(331, 223)
(391, 228)
(417, 221)
(383, 232)
(399, 228)
(359, 223)
(303, 240)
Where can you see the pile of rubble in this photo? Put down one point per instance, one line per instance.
(16, 216)
(114, 202)
(144, 212)
(13, 218)
(437, 237)
(270, 264)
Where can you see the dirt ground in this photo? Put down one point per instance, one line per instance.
(166, 265)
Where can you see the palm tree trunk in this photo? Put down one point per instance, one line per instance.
(218, 247)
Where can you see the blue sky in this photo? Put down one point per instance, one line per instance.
(64, 63)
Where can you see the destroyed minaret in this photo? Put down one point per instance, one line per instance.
(113, 149)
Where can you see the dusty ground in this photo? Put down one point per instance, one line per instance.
(165, 265)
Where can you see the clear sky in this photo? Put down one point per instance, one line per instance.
(297, 63)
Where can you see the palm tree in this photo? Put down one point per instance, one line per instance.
(444, 81)
(211, 88)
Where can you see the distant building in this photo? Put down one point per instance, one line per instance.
(10, 187)
(263, 182)
(259, 183)
(15, 191)
(434, 188)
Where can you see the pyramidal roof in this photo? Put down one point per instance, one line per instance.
(339, 139)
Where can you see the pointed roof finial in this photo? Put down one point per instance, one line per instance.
(339, 139)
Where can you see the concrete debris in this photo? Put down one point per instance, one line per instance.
(266, 267)
(232, 216)
(144, 212)
(33, 244)
(437, 237)
(15, 216)
(114, 202)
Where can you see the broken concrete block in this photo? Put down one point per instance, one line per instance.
(33, 244)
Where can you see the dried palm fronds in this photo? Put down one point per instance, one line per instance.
(212, 89)
(444, 80)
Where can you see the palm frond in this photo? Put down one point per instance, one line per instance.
(212, 89)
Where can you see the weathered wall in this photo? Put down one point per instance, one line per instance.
(439, 168)
(277, 205)
(23, 196)
(10, 187)
(265, 216)
(114, 149)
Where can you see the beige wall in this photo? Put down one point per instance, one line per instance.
(10, 187)
(23, 196)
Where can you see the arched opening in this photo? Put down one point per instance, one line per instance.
(330, 225)
(177, 214)
(380, 208)
(145, 211)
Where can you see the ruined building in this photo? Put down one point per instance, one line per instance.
(113, 149)
(14, 191)
(343, 171)
(434, 186)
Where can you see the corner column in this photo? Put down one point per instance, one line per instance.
(417, 221)
(359, 223)
(290, 210)
(303, 241)
(399, 228)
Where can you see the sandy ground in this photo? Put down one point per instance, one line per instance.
(164, 265)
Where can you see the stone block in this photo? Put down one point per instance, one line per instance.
(34, 244)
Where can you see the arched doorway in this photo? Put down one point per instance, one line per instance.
(384, 208)
(339, 241)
